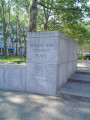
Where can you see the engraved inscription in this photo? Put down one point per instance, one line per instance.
(41, 55)
(41, 50)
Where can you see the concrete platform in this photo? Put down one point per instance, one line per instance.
(75, 91)
(78, 86)
(83, 77)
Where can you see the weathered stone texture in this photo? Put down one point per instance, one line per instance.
(51, 59)
(12, 77)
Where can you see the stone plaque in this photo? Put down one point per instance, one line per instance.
(42, 50)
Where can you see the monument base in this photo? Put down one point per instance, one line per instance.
(41, 78)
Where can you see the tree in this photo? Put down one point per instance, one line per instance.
(65, 16)
(20, 10)
(14, 19)
(44, 15)
(3, 18)
(33, 16)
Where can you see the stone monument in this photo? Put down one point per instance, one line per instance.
(51, 59)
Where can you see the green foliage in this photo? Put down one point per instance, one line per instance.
(67, 16)
(81, 58)
(87, 57)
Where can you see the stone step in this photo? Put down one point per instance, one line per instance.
(75, 91)
(79, 81)
(82, 72)
(81, 77)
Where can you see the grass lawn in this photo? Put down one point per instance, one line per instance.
(13, 58)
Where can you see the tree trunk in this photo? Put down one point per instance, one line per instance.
(12, 44)
(46, 24)
(33, 16)
(5, 44)
(16, 38)
(21, 47)
(16, 46)
(4, 30)
(25, 46)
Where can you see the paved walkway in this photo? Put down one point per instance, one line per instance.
(83, 66)
(23, 106)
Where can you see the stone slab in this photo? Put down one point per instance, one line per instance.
(41, 78)
(12, 77)
(15, 79)
(81, 76)
(63, 50)
(62, 75)
(75, 91)
(42, 50)
(74, 66)
(69, 71)
(2, 78)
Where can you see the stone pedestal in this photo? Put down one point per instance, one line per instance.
(51, 59)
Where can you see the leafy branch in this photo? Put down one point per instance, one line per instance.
(62, 9)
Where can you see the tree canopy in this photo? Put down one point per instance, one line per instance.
(68, 16)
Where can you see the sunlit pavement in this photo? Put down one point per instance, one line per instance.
(22, 106)
(83, 65)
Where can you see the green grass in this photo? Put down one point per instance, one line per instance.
(13, 58)
(80, 57)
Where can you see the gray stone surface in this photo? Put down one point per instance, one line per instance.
(80, 76)
(69, 69)
(62, 73)
(50, 47)
(63, 51)
(40, 49)
(21, 106)
(51, 59)
(12, 77)
(2, 81)
(75, 91)
(78, 86)
(74, 66)
(41, 78)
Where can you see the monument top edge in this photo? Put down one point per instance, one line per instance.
(43, 33)
(49, 34)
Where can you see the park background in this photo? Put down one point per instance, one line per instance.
(70, 17)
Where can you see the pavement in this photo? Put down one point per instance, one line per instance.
(83, 65)
(12, 63)
(23, 106)
(26, 106)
